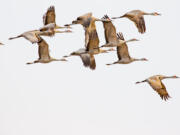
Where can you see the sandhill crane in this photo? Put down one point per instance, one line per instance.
(110, 34)
(51, 30)
(123, 53)
(137, 16)
(91, 40)
(43, 50)
(49, 16)
(88, 23)
(49, 21)
(32, 36)
(86, 57)
(156, 83)
(1, 43)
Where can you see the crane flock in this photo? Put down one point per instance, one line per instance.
(113, 40)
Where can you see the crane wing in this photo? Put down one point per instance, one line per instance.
(49, 16)
(140, 24)
(122, 51)
(43, 49)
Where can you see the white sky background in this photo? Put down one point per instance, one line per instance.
(64, 98)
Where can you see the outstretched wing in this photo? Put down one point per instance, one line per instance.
(93, 40)
(137, 17)
(109, 31)
(49, 16)
(32, 36)
(159, 87)
(92, 62)
(140, 24)
(85, 59)
(122, 51)
(43, 49)
(163, 92)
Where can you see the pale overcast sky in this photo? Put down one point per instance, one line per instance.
(64, 98)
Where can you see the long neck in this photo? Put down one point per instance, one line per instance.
(53, 59)
(131, 40)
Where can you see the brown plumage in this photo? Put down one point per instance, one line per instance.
(51, 30)
(88, 23)
(123, 53)
(156, 83)
(137, 16)
(86, 57)
(110, 32)
(1, 43)
(91, 36)
(32, 36)
(49, 21)
(91, 40)
(49, 16)
(43, 51)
